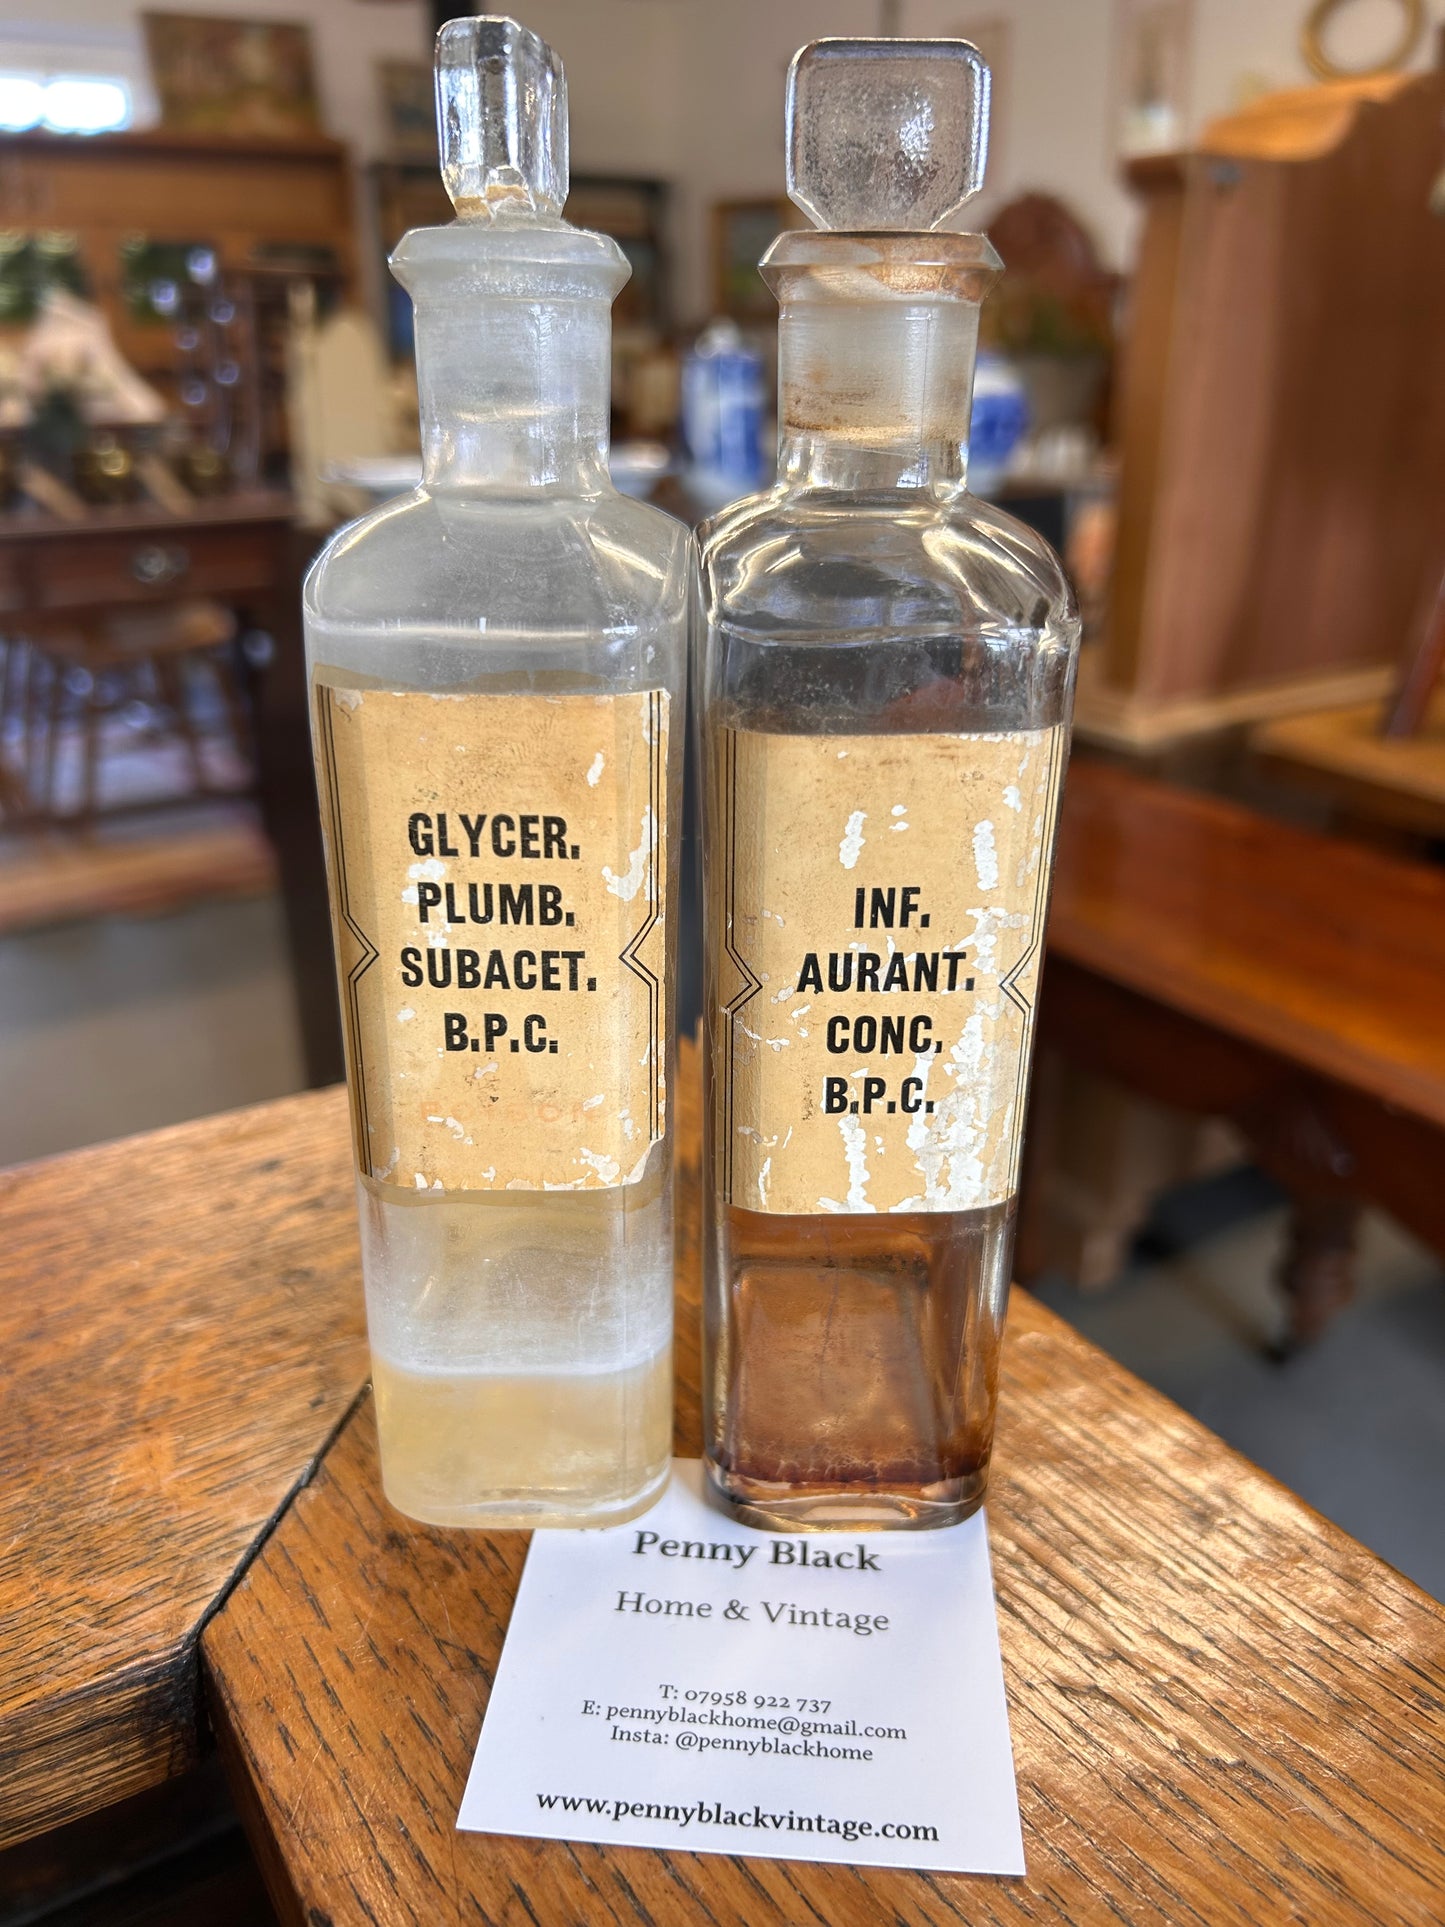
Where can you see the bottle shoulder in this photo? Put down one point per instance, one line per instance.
(791, 562)
(601, 562)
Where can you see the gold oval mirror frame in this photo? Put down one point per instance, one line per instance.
(1320, 64)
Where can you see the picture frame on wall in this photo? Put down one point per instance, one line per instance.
(408, 110)
(633, 211)
(742, 232)
(244, 78)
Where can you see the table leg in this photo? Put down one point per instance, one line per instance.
(1317, 1272)
(286, 788)
(1332, 1148)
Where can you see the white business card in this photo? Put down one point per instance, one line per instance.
(687, 1682)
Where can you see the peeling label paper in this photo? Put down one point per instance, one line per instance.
(498, 871)
(878, 920)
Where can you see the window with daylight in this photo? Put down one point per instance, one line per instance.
(71, 103)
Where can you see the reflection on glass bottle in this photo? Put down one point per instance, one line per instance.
(498, 671)
(887, 686)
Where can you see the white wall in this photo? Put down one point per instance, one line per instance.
(1053, 104)
(623, 60)
(692, 90)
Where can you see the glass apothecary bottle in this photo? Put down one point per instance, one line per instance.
(886, 694)
(498, 667)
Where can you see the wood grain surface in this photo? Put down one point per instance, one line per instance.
(1398, 781)
(1223, 1708)
(58, 877)
(1322, 951)
(1280, 452)
(181, 1332)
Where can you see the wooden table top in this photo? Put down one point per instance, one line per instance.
(1223, 1708)
(181, 1332)
(1323, 951)
(27, 525)
(1398, 780)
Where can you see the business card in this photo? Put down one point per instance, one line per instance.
(689, 1683)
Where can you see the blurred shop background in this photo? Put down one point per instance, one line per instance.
(1214, 377)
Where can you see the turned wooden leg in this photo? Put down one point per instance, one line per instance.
(92, 722)
(53, 709)
(1317, 1272)
(224, 671)
(171, 674)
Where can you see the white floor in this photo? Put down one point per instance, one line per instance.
(123, 1024)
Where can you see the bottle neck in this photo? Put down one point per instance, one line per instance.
(875, 394)
(515, 393)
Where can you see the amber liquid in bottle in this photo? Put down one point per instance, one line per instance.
(851, 1356)
(857, 1362)
(885, 693)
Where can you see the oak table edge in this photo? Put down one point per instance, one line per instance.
(78, 1738)
(1034, 1330)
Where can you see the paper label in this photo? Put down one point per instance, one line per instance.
(878, 915)
(689, 1683)
(498, 873)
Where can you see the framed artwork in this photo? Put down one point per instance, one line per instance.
(742, 232)
(215, 75)
(634, 212)
(1153, 38)
(408, 110)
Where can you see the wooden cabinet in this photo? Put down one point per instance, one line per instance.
(1282, 409)
(138, 557)
(273, 212)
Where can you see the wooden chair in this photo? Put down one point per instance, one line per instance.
(79, 671)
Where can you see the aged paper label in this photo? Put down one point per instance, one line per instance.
(878, 915)
(498, 870)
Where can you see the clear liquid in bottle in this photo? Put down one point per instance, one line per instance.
(499, 673)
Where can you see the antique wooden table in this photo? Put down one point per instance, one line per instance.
(1223, 1709)
(181, 1332)
(1220, 962)
(1396, 782)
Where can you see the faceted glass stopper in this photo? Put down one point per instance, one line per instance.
(886, 134)
(502, 118)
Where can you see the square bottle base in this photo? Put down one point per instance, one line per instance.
(527, 1512)
(790, 1508)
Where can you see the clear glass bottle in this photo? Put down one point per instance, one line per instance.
(498, 665)
(886, 694)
